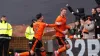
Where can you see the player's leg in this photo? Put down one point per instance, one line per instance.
(41, 49)
(63, 46)
(31, 52)
(38, 51)
(60, 46)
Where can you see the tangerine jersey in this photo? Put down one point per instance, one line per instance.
(38, 28)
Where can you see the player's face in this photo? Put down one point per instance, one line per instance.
(98, 10)
(42, 18)
(3, 18)
(63, 12)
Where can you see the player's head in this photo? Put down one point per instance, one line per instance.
(39, 17)
(3, 18)
(98, 8)
(63, 11)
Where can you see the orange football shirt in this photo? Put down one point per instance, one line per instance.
(62, 27)
(39, 29)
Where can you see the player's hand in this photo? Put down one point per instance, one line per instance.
(67, 5)
(47, 24)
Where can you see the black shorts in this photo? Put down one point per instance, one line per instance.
(36, 43)
(61, 40)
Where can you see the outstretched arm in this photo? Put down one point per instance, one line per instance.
(71, 10)
(50, 25)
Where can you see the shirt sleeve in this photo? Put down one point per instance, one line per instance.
(51, 25)
(9, 30)
(58, 21)
(27, 32)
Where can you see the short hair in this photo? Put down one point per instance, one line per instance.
(3, 16)
(88, 17)
(98, 6)
(63, 8)
(38, 16)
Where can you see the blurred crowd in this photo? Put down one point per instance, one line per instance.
(85, 26)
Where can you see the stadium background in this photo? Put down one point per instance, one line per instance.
(20, 13)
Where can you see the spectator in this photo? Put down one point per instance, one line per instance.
(79, 19)
(5, 36)
(29, 33)
(77, 30)
(88, 30)
(79, 14)
(96, 16)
